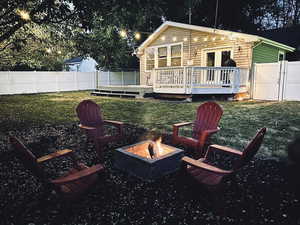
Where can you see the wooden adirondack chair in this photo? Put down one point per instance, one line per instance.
(91, 121)
(205, 124)
(212, 177)
(69, 186)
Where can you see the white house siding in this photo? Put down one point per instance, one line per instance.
(242, 50)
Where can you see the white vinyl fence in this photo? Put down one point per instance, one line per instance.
(39, 82)
(277, 81)
(123, 78)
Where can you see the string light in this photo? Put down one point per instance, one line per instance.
(59, 52)
(137, 36)
(23, 14)
(123, 33)
(48, 50)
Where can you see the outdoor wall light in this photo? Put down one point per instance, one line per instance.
(195, 39)
(174, 38)
(185, 39)
(163, 38)
(205, 39)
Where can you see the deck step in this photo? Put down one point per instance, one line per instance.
(116, 94)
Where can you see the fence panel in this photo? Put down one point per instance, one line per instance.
(292, 82)
(39, 82)
(118, 78)
(266, 86)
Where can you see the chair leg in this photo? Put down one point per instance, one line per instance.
(99, 150)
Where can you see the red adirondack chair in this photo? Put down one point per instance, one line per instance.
(205, 124)
(211, 176)
(91, 121)
(69, 186)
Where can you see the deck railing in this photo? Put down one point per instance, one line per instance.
(193, 80)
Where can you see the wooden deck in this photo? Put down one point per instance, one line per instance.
(133, 91)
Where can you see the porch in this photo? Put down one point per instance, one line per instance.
(200, 80)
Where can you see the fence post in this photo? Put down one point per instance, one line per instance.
(284, 79)
(122, 78)
(135, 78)
(96, 79)
(252, 80)
(76, 81)
(35, 82)
(109, 78)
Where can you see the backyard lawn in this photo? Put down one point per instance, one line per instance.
(48, 121)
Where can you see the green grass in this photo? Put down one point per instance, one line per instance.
(239, 123)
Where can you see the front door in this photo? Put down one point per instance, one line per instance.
(216, 58)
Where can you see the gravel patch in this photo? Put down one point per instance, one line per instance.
(266, 191)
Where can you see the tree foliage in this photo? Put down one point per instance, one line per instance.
(92, 26)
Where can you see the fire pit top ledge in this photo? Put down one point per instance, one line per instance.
(140, 150)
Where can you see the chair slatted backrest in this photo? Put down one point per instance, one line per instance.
(27, 158)
(208, 117)
(89, 114)
(251, 149)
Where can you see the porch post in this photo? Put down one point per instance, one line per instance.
(153, 74)
(184, 79)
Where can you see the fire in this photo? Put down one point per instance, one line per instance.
(155, 149)
(159, 148)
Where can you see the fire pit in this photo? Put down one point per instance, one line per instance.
(148, 160)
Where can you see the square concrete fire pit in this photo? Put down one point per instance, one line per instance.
(136, 160)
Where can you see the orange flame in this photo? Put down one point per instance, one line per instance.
(159, 148)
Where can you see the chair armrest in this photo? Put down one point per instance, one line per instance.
(86, 127)
(78, 175)
(212, 131)
(225, 149)
(53, 155)
(116, 123)
(182, 124)
(177, 126)
(204, 166)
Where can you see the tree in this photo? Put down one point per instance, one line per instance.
(35, 47)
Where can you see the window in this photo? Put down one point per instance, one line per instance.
(162, 56)
(176, 55)
(150, 59)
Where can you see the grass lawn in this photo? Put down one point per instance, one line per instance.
(239, 122)
(266, 191)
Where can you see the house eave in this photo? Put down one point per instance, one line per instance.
(246, 37)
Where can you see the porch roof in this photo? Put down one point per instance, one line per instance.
(247, 37)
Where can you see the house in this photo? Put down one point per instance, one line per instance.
(187, 59)
(287, 35)
(80, 64)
